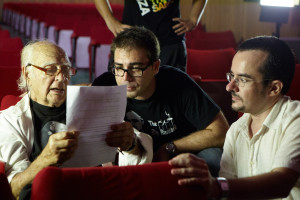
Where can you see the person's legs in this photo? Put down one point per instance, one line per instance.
(212, 156)
(25, 192)
(174, 55)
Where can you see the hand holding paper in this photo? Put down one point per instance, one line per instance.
(92, 111)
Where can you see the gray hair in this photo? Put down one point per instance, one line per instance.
(26, 58)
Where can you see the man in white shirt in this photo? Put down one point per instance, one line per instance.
(261, 157)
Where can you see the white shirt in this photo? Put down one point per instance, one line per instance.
(17, 137)
(275, 145)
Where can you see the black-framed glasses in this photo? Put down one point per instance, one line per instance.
(55, 69)
(240, 81)
(134, 71)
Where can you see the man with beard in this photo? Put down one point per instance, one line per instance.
(261, 158)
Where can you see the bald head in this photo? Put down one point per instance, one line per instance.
(38, 50)
(40, 53)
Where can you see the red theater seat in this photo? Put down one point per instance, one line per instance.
(210, 40)
(294, 91)
(147, 182)
(209, 64)
(10, 59)
(9, 100)
(11, 45)
(5, 191)
(8, 80)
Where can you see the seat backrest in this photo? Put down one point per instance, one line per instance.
(5, 190)
(294, 91)
(11, 45)
(211, 40)
(8, 80)
(209, 64)
(148, 181)
(4, 34)
(101, 35)
(9, 100)
(10, 58)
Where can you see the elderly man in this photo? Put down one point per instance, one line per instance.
(261, 158)
(165, 102)
(32, 134)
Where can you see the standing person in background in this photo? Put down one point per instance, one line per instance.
(163, 18)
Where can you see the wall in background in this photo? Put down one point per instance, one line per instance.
(220, 15)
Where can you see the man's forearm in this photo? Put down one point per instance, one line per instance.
(212, 136)
(104, 9)
(276, 184)
(197, 11)
(20, 180)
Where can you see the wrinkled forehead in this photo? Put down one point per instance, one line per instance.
(44, 53)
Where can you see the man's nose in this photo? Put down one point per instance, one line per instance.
(127, 76)
(231, 86)
(61, 76)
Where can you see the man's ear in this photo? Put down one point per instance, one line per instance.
(276, 87)
(156, 65)
(24, 72)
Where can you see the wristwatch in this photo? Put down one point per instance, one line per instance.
(171, 148)
(223, 183)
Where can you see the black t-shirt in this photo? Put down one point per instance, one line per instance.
(177, 108)
(155, 15)
(46, 121)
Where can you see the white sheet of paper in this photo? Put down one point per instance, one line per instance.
(92, 110)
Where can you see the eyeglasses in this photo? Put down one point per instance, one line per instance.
(240, 81)
(55, 69)
(134, 71)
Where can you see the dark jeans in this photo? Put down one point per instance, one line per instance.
(25, 192)
(212, 156)
(174, 55)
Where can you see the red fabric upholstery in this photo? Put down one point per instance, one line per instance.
(149, 181)
(4, 34)
(210, 40)
(10, 59)
(11, 45)
(9, 100)
(5, 191)
(294, 91)
(209, 64)
(8, 80)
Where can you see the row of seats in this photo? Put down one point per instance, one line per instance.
(148, 181)
(77, 28)
(210, 40)
(10, 66)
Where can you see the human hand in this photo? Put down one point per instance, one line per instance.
(122, 136)
(192, 171)
(115, 26)
(183, 26)
(60, 147)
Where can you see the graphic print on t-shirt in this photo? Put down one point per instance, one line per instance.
(157, 5)
(165, 125)
(50, 128)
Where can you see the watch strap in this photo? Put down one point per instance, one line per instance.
(224, 186)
